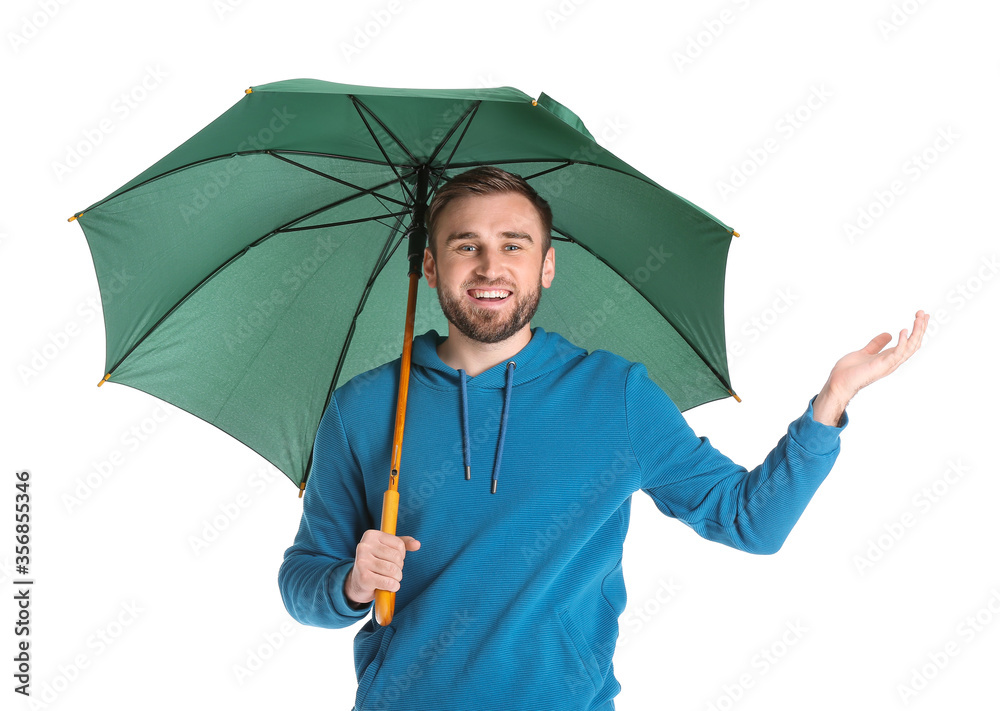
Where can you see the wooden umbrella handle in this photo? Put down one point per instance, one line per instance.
(385, 601)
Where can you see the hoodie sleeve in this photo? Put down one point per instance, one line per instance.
(690, 480)
(334, 517)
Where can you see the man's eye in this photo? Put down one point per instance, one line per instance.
(467, 248)
(513, 247)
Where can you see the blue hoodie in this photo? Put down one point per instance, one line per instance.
(512, 601)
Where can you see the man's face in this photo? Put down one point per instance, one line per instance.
(489, 270)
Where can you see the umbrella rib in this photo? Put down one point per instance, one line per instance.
(375, 218)
(192, 164)
(358, 105)
(471, 114)
(369, 191)
(218, 269)
(380, 263)
(545, 172)
(336, 203)
(568, 237)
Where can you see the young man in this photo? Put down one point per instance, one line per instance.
(512, 589)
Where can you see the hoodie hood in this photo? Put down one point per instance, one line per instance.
(544, 353)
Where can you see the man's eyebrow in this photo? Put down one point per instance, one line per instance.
(458, 236)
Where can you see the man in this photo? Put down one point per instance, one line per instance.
(512, 589)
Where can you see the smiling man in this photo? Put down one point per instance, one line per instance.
(511, 595)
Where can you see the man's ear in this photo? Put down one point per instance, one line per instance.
(430, 268)
(549, 268)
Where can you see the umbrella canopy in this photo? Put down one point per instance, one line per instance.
(261, 263)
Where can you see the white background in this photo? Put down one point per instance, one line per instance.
(116, 560)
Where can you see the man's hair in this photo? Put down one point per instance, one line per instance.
(488, 180)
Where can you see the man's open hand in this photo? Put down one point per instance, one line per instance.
(861, 368)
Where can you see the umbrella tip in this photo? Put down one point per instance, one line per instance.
(735, 396)
(249, 90)
(73, 217)
(302, 488)
(105, 380)
(735, 233)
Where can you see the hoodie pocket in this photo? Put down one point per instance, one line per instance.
(372, 670)
(583, 650)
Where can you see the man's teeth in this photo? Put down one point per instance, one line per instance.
(489, 294)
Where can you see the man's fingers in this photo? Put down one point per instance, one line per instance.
(878, 343)
(410, 542)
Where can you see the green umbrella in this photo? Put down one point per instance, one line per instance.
(261, 263)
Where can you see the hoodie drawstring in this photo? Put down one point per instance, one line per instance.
(503, 424)
(465, 426)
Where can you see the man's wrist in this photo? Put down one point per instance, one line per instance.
(350, 601)
(829, 407)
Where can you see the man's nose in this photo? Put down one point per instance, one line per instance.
(490, 264)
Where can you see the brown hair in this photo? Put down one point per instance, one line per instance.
(488, 180)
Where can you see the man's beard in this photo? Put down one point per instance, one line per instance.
(487, 325)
